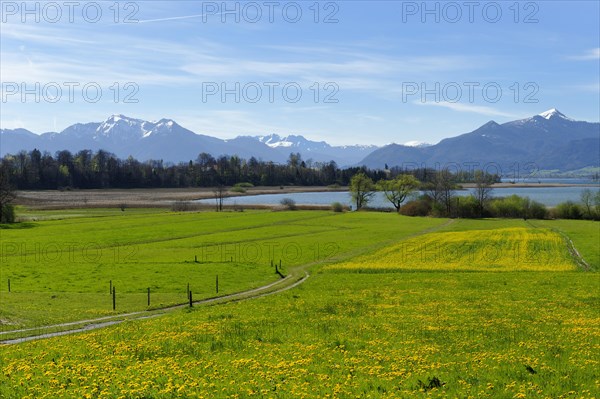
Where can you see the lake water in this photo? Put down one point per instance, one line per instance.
(551, 180)
(549, 196)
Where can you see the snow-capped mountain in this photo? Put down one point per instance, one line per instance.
(554, 113)
(319, 151)
(549, 140)
(167, 140)
(416, 143)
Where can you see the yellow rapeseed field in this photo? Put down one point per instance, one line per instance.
(508, 249)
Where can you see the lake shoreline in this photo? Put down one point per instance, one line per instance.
(163, 197)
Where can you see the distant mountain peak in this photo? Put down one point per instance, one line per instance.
(554, 113)
(122, 126)
(416, 143)
(274, 140)
(120, 117)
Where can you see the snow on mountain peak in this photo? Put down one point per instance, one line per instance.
(275, 140)
(416, 143)
(551, 113)
(122, 126)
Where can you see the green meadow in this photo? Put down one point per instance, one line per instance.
(523, 330)
(61, 267)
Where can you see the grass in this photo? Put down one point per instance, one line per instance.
(585, 235)
(61, 266)
(494, 335)
(411, 333)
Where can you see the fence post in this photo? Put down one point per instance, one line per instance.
(217, 283)
(110, 287)
(190, 295)
(8, 285)
(114, 294)
(148, 296)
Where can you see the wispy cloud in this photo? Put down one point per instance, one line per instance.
(589, 55)
(476, 109)
(194, 16)
(590, 88)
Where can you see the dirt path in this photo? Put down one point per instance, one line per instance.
(286, 283)
(570, 246)
(296, 277)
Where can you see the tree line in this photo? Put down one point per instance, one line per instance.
(85, 169)
(440, 198)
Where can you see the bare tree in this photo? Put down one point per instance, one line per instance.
(483, 190)
(219, 192)
(441, 190)
(587, 198)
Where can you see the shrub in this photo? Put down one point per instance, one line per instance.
(467, 207)
(244, 185)
(517, 207)
(237, 189)
(7, 214)
(337, 207)
(180, 206)
(289, 203)
(537, 210)
(418, 207)
(568, 210)
(508, 207)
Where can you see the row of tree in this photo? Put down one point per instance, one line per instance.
(440, 198)
(440, 189)
(85, 169)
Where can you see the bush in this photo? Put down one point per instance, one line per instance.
(337, 207)
(517, 207)
(7, 214)
(418, 207)
(289, 203)
(244, 185)
(508, 207)
(567, 210)
(180, 206)
(237, 189)
(467, 207)
(537, 210)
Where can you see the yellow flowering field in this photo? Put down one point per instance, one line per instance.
(340, 335)
(447, 326)
(506, 249)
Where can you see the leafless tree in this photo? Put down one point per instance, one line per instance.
(483, 190)
(219, 192)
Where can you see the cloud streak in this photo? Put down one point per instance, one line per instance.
(590, 55)
(476, 109)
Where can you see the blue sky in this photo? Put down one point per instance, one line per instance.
(369, 72)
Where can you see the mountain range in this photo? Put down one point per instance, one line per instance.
(550, 141)
(170, 142)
